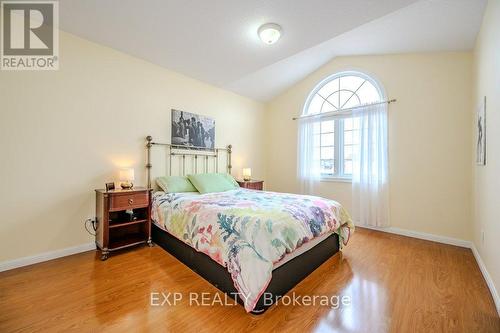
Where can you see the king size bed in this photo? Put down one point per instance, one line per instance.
(253, 245)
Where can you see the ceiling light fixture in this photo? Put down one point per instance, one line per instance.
(269, 33)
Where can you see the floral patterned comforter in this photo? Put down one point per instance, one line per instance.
(248, 231)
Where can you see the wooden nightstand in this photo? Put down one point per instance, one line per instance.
(252, 184)
(123, 219)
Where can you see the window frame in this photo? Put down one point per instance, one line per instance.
(339, 147)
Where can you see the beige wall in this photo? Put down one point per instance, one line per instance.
(487, 178)
(65, 133)
(429, 138)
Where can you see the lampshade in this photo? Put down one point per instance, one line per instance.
(247, 173)
(127, 174)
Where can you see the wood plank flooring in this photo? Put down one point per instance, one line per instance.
(395, 284)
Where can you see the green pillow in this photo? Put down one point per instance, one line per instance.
(230, 178)
(213, 182)
(175, 184)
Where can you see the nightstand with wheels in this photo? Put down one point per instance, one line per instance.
(123, 219)
(252, 184)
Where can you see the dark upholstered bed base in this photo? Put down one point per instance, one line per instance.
(284, 278)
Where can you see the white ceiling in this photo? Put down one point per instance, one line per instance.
(216, 41)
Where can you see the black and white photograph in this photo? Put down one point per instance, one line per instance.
(481, 133)
(192, 130)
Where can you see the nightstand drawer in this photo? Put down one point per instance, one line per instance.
(128, 201)
(252, 184)
(255, 186)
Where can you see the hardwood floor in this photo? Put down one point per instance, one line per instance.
(395, 284)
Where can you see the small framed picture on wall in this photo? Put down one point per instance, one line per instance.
(481, 133)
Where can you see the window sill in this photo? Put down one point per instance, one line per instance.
(336, 179)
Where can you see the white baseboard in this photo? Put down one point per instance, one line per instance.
(487, 277)
(421, 235)
(25, 261)
(450, 241)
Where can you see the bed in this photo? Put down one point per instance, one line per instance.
(253, 245)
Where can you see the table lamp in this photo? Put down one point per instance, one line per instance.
(247, 174)
(126, 178)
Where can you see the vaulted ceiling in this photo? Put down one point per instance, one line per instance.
(216, 41)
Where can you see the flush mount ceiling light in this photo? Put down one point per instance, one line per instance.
(269, 33)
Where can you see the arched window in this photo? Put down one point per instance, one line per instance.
(335, 139)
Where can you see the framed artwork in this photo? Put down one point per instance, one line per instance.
(110, 186)
(192, 130)
(481, 133)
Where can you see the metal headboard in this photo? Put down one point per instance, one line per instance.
(183, 153)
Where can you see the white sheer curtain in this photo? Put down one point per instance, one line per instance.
(308, 157)
(370, 186)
